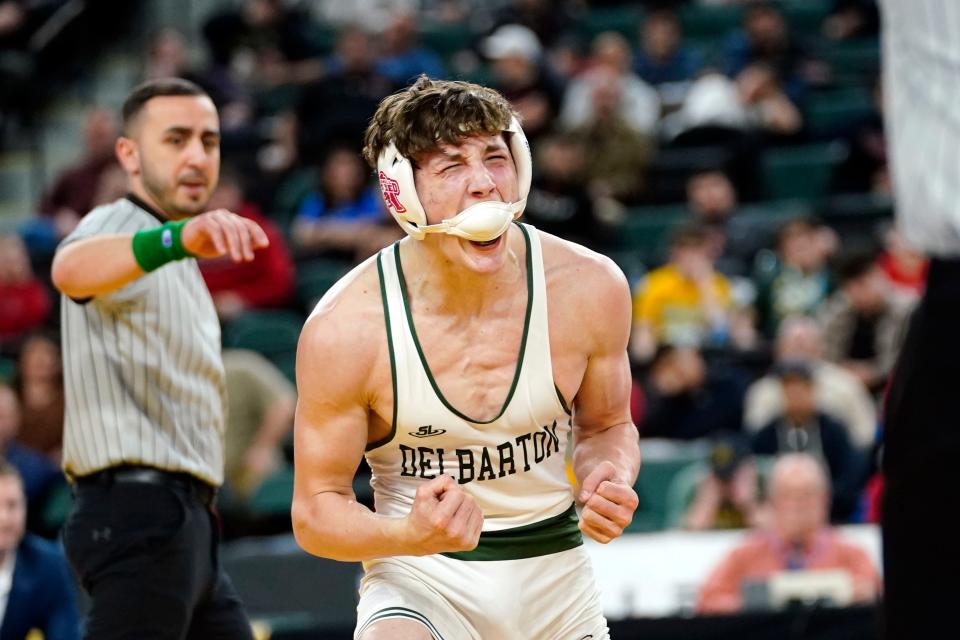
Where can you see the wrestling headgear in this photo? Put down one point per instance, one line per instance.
(479, 222)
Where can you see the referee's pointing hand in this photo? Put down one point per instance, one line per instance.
(221, 232)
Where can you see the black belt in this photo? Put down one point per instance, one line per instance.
(185, 482)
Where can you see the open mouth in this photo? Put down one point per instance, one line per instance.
(488, 243)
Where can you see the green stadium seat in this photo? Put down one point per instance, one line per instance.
(274, 496)
(708, 21)
(826, 112)
(646, 230)
(801, 172)
(624, 20)
(805, 17)
(273, 334)
(7, 369)
(446, 39)
(653, 488)
(56, 507)
(314, 278)
(854, 62)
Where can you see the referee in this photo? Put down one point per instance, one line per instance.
(144, 382)
(921, 73)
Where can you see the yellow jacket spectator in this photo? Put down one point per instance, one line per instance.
(683, 302)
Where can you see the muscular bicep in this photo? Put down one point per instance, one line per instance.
(603, 399)
(331, 420)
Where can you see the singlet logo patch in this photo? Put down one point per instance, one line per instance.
(426, 431)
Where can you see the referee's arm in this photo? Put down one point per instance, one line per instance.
(105, 263)
(95, 266)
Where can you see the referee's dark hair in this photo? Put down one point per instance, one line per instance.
(145, 92)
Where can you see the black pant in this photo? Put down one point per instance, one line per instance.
(921, 554)
(147, 555)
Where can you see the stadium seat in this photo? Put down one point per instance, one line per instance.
(653, 488)
(826, 113)
(709, 21)
(273, 334)
(274, 496)
(801, 172)
(446, 39)
(56, 507)
(7, 369)
(645, 231)
(853, 62)
(624, 20)
(314, 278)
(805, 17)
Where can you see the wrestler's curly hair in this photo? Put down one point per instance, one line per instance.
(433, 112)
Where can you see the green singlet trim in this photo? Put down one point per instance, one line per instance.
(393, 361)
(553, 535)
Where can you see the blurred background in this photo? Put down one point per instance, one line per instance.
(729, 156)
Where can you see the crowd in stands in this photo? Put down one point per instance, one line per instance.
(728, 155)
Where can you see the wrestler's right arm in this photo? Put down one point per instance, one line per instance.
(337, 352)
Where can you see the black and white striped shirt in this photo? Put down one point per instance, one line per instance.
(921, 76)
(143, 376)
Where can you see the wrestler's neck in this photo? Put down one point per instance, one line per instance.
(446, 283)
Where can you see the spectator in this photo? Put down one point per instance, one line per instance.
(268, 280)
(26, 302)
(837, 392)
(402, 58)
(344, 216)
(728, 496)
(273, 34)
(260, 404)
(637, 104)
(36, 587)
(337, 108)
(904, 267)
(683, 399)
(864, 320)
(548, 20)
(559, 202)
(864, 169)
(39, 385)
(752, 103)
(72, 193)
(798, 538)
(795, 280)
(712, 199)
(616, 155)
(662, 60)
(802, 428)
(852, 19)
(683, 302)
(38, 472)
(765, 38)
(522, 76)
(166, 56)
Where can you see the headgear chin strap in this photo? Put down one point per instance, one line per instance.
(480, 222)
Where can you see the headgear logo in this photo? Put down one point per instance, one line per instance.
(391, 191)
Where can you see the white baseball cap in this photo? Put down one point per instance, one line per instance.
(512, 40)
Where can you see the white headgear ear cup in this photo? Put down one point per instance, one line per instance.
(399, 191)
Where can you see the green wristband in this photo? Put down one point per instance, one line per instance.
(155, 247)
